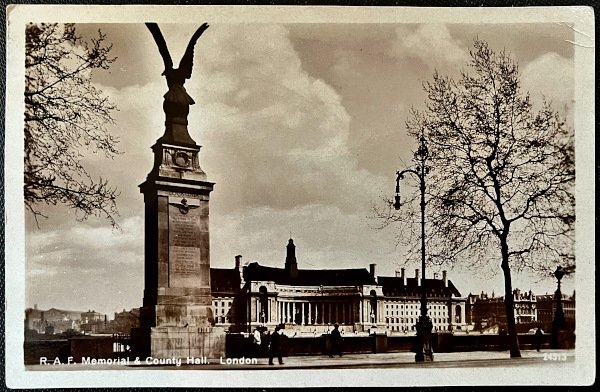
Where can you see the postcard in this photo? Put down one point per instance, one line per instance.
(278, 196)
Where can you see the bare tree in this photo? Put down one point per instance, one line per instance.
(65, 116)
(502, 174)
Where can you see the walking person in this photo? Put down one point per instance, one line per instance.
(503, 339)
(256, 343)
(275, 346)
(336, 341)
(538, 338)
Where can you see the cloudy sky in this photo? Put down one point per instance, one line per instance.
(302, 128)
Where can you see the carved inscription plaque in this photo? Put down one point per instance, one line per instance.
(184, 240)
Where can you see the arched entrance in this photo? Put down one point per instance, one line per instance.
(458, 314)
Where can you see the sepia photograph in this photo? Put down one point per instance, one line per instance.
(278, 196)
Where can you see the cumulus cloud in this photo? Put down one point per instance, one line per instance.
(551, 77)
(432, 44)
(282, 145)
(82, 265)
(275, 142)
(274, 135)
(84, 247)
(345, 64)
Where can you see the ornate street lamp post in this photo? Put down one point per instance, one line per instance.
(424, 325)
(559, 316)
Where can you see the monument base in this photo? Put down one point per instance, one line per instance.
(182, 342)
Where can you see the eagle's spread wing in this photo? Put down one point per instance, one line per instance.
(162, 45)
(185, 66)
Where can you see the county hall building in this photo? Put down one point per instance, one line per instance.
(312, 300)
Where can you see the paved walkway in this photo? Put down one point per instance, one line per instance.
(404, 359)
(379, 361)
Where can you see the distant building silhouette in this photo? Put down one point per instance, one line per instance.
(57, 321)
(529, 310)
(60, 320)
(546, 308)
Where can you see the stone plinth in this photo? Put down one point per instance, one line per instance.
(177, 311)
(179, 342)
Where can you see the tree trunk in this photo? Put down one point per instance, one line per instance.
(513, 339)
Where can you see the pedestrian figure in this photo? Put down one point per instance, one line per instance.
(275, 346)
(538, 338)
(256, 342)
(336, 341)
(265, 339)
(503, 338)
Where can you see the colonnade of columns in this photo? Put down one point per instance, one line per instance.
(311, 313)
(345, 311)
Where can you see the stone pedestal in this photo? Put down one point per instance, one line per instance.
(179, 342)
(177, 312)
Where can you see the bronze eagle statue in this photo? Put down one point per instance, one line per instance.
(176, 77)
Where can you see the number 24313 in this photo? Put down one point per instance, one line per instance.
(555, 357)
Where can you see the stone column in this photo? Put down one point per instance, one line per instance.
(360, 312)
(176, 318)
(252, 309)
(258, 310)
(286, 312)
(280, 312)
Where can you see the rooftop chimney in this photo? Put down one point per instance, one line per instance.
(445, 278)
(238, 267)
(291, 266)
(372, 270)
(403, 276)
(417, 277)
